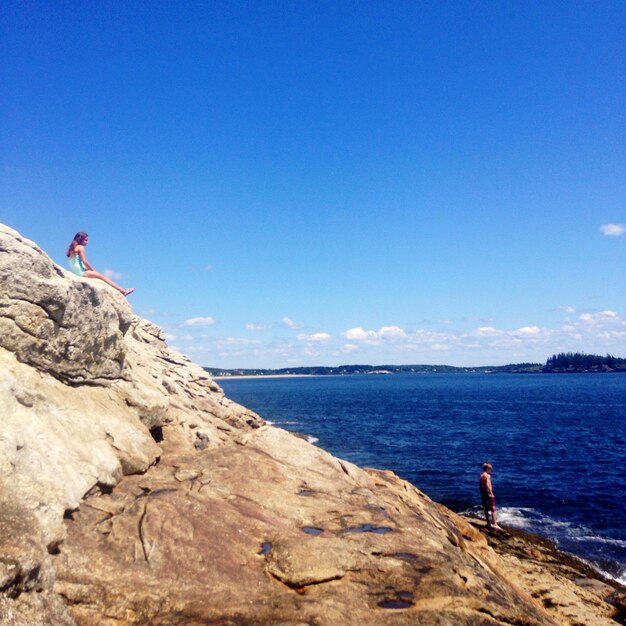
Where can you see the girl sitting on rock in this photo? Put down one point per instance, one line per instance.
(80, 265)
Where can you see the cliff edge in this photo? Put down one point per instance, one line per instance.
(132, 491)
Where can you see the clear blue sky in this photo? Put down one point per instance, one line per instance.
(298, 183)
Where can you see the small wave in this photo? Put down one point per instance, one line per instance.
(565, 535)
(621, 543)
(281, 424)
(618, 575)
(518, 517)
(526, 517)
(308, 438)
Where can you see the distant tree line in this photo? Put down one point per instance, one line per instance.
(567, 362)
(347, 370)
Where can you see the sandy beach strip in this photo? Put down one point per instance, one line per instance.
(246, 376)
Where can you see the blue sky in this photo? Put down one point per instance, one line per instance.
(318, 183)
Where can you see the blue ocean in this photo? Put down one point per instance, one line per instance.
(557, 443)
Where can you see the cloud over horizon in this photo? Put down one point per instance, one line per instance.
(613, 230)
(323, 337)
(590, 331)
(256, 326)
(199, 321)
(112, 274)
(291, 324)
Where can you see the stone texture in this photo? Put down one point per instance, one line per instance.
(231, 543)
(132, 491)
(56, 321)
(566, 586)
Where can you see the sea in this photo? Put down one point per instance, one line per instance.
(557, 443)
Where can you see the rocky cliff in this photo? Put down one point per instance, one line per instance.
(132, 491)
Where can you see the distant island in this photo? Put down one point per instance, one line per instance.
(570, 362)
(577, 362)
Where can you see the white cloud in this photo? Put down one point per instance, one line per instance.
(387, 333)
(589, 331)
(526, 331)
(613, 230)
(349, 347)
(322, 337)
(200, 321)
(197, 349)
(174, 336)
(599, 318)
(488, 331)
(112, 275)
(255, 326)
(358, 334)
(289, 322)
(440, 347)
(391, 332)
(235, 341)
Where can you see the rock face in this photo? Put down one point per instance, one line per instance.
(132, 491)
(55, 321)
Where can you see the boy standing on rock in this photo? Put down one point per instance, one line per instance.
(488, 497)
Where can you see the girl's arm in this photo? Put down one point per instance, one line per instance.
(83, 258)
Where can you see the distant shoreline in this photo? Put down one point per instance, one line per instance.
(370, 370)
(563, 363)
(244, 376)
(416, 373)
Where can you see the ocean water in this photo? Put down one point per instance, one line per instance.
(557, 443)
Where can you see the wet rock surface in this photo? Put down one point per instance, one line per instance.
(143, 495)
(567, 587)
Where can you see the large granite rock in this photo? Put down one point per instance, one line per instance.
(132, 491)
(55, 321)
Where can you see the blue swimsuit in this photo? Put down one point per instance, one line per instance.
(77, 265)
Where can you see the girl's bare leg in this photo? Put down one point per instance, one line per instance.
(108, 281)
